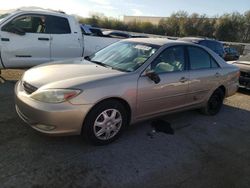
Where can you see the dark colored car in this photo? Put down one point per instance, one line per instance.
(244, 64)
(231, 54)
(89, 30)
(214, 45)
(116, 34)
(139, 36)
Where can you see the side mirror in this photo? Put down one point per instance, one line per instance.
(87, 58)
(153, 76)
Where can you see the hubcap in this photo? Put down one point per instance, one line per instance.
(107, 124)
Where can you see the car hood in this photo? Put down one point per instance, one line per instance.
(243, 65)
(69, 73)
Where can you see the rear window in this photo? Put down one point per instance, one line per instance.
(211, 45)
(203, 43)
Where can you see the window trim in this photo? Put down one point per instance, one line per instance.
(210, 57)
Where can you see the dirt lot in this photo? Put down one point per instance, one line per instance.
(204, 151)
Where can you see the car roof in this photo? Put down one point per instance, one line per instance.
(157, 41)
(197, 39)
(38, 10)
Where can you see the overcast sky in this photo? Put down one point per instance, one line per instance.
(118, 8)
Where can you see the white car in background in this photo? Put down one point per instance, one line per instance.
(29, 37)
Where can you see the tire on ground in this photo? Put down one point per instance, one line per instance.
(214, 103)
(88, 127)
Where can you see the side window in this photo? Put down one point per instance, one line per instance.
(27, 23)
(214, 64)
(57, 25)
(170, 60)
(200, 59)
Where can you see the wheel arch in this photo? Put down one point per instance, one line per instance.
(223, 88)
(122, 101)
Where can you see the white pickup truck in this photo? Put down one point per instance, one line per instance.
(32, 37)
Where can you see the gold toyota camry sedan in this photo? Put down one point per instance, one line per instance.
(126, 82)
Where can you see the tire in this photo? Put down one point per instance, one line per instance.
(214, 103)
(105, 122)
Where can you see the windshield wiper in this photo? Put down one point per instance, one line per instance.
(99, 63)
(119, 69)
(105, 65)
(96, 62)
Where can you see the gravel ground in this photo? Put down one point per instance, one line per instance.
(204, 151)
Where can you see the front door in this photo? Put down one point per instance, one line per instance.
(24, 41)
(170, 92)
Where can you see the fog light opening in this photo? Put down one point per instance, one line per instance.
(45, 127)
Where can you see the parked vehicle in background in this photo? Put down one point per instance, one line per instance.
(214, 45)
(29, 37)
(139, 36)
(117, 34)
(89, 30)
(126, 82)
(244, 64)
(231, 54)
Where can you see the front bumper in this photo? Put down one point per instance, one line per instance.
(53, 119)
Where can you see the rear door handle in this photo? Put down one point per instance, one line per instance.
(44, 39)
(5, 39)
(183, 79)
(217, 74)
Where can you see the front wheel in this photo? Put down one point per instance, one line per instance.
(214, 103)
(105, 122)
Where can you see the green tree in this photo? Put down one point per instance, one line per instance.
(233, 27)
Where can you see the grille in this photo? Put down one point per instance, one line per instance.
(245, 74)
(28, 88)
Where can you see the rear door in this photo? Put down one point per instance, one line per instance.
(171, 92)
(204, 74)
(65, 41)
(26, 49)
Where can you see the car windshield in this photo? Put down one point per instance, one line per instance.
(124, 56)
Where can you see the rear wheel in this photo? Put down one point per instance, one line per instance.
(214, 103)
(105, 122)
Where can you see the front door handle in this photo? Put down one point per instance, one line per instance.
(183, 79)
(42, 38)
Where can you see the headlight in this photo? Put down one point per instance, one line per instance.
(55, 95)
